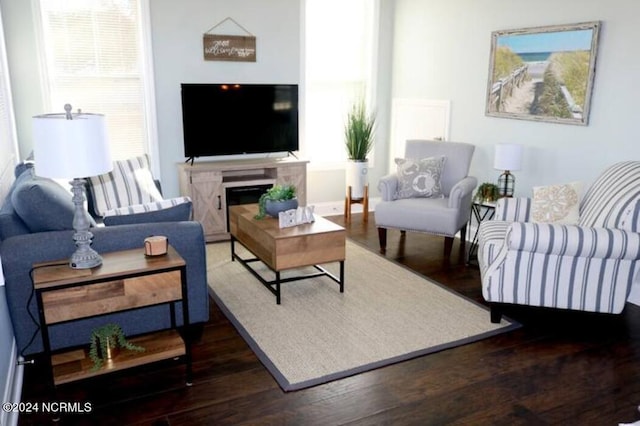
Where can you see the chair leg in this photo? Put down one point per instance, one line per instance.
(496, 313)
(382, 237)
(448, 246)
(463, 236)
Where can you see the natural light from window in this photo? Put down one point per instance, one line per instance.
(339, 46)
(94, 61)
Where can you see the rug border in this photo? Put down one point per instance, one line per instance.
(287, 386)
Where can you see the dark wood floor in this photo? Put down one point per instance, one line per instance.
(559, 368)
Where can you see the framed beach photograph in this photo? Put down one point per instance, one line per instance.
(543, 73)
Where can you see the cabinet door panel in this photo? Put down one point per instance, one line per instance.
(209, 202)
(297, 176)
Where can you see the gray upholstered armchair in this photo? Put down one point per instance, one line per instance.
(588, 266)
(407, 206)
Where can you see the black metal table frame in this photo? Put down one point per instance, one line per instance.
(480, 216)
(274, 285)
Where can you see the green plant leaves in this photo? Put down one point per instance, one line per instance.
(359, 131)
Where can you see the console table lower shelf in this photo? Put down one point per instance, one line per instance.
(76, 365)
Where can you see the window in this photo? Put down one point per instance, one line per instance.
(339, 67)
(8, 140)
(94, 59)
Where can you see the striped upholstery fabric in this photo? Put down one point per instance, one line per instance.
(630, 219)
(589, 267)
(612, 193)
(148, 207)
(128, 184)
(492, 233)
(513, 209)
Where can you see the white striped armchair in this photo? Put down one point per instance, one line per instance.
(589, 266)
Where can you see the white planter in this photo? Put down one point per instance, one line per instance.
(357, 177)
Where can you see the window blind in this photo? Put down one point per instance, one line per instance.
(94, 61)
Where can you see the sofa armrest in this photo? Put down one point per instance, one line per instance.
(388, 185)
(513, 209)
(19, 253)
(573, 241)
(461, 192)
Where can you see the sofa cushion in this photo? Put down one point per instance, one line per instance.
(420, 178)
(10, 222)
(129, 183)
(173, 210)
(556, 203)
(42, 204)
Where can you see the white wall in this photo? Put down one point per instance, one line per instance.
(177, 29)
(441, 51)
(176, 32)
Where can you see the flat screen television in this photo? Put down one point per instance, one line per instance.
(228, 119)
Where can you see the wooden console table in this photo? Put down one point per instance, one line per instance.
(126, 280)
(206, 184)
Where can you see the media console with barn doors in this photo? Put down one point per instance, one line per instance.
(214, 185)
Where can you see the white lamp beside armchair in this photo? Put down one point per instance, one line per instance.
(508, 157)
(73, 145)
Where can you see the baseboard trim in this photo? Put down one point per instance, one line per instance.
(333, 208)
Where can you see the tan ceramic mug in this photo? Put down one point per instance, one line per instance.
(156, 245)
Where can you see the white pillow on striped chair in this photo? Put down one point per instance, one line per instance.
(130, 183)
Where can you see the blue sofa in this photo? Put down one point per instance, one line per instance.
(47, 236)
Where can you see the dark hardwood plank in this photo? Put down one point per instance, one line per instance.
(560, 368)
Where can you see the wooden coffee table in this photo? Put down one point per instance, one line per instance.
(309, 244)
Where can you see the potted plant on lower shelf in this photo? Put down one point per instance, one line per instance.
(277, 199)
(104, 340)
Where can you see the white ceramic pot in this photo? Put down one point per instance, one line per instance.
(357, 177)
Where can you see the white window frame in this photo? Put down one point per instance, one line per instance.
(370, 95)
(9, 149)
(149, 125)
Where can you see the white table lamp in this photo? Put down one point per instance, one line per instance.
(508, 157)
(73, 145)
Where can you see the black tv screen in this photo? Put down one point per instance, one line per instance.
(227, 119)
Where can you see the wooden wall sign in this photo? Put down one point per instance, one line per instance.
(220, 47)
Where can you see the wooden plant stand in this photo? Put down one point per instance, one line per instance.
(348, 201)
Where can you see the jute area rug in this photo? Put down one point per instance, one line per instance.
(387, 314)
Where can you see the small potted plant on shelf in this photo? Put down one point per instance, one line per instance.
(488, 192)
(359, 132)
(104, 340)
(277, 199)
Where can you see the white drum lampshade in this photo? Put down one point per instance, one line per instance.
(508, 157)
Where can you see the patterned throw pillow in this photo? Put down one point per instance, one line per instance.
(419, 178)
(130, 182)
(556, 203)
